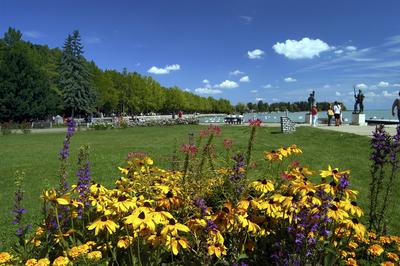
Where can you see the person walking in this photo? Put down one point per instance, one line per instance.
(330, 115)
(337, 110)
(396, 104)
(314, 115)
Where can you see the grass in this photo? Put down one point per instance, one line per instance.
(36, 155)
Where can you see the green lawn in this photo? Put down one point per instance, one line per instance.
(36, 154)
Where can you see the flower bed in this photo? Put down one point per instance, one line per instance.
(209, 212)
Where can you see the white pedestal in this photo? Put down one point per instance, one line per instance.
(308, 119)
(358, 120)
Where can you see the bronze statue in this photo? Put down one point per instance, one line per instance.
(311, 100)
(359, 102)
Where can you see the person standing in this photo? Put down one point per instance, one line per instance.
(330, 115)
(337, 110)
(396, 104)
(314, 115)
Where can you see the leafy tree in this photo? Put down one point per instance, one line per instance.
(24, 89)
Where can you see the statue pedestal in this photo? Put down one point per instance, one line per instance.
(358, 120)
(308, 118)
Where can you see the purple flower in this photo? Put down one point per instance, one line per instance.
(201, 203)
(211, 227)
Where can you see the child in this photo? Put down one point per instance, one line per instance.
(314, 115)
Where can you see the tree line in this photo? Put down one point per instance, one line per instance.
(37, 82)
(261, 106)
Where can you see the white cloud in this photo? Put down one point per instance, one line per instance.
(255, 54)
(227, 84)
(305, 48)
(33, 34)
(268, 86)
(340, 51)
(236, 72)
(275, 99)
(289, 79)
(383, 84)
(254, 91)
(361, 86)
(206, 81)
(91, 40)
(351, 48)
(338, 93)
(396, 85)
(370, 94)
(246, 19)
(166, 70)
(260, 99)
(388, 94)
(188, 90)
(245, 79)
(327, 86)
(207, 91)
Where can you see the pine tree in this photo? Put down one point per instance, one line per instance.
(78, 94)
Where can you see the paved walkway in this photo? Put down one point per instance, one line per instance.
(359, 130)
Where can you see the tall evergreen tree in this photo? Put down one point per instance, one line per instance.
(78, 94)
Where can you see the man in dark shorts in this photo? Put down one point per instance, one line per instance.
(396, 104)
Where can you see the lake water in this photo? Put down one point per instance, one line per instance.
(299, 117)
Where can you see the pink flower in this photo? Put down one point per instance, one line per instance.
(188, 149)
(203, 133)
(228, 143)
(216, 130)
(255, 122)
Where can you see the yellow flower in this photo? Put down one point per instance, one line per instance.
(31, 262)
(295, 149)
(334, 173)
(351, 262)
(43, 262)
(263, 186)
(148, 161)
(217, 250)
(336, 213)
(103, 223)
(353, 245)
(124, 242)
(387, 263)
(5, 257)
(94, 255)
(173, 227)
(141, 221)
(273, 156)
(61, 261)
(74, 252)
(375, 250)
(123, 170)
(356, 226)
(124, 203)
(176, 243)
(352, 207)
(393, 256)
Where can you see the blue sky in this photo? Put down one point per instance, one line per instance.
(239, 50)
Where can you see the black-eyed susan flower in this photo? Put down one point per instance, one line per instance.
(295, 149)
(124, 242)
(336, 213)
(358, 228)
(169, 199)
(273, 156)
(103, 223)
(375, 250)
(176, 243)
(124, 203)
(333, 172)
(173, 227)
(216, 245)
(141, 221)
(351, 207)
(387, 263)
(263, 186)
(156, 239)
